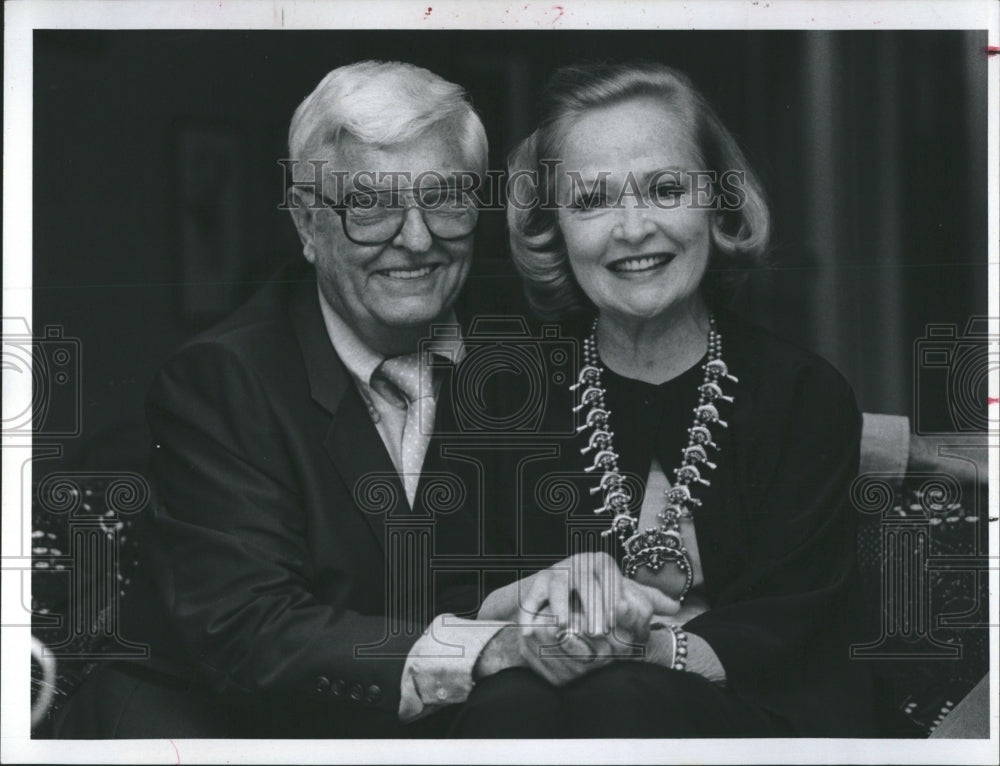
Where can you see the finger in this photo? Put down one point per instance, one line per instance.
(588, 652)
(632, 618)
(599, 578)
(559, 597)
(576, 657)
(610, 578)
(539, 654)
(536, 594)
(661, 603)
(532, 658)
(614, 594)
(584, 588)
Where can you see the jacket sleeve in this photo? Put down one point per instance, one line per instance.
(229, 548)
(782, 627)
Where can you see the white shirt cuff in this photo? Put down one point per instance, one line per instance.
(438, 670)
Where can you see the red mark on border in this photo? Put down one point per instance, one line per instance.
(428, 11)
(561, 12)
(992, 400)
(176, 751)
(992, 50)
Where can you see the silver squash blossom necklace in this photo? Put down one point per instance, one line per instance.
(656, 546)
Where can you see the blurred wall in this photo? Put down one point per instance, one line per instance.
(872, 146)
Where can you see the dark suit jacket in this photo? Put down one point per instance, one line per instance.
(286, 561)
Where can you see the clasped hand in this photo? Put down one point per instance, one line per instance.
(582, 613)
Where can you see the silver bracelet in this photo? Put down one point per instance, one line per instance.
(679, 660)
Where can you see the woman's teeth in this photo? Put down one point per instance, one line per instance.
(408, 273)
(640, 264)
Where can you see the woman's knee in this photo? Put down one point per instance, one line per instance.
(633, 699)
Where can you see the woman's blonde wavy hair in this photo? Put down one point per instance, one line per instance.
(739, 236)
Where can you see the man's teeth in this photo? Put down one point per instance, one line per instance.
(408, 273)
(639, 264)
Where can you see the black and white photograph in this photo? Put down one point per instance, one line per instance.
(481, 382)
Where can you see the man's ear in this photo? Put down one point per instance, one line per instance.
(305, 222)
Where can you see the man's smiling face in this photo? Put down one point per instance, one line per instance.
(412, 280)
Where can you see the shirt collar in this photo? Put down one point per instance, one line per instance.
(361, 360)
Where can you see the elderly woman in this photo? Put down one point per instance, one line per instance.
(723, 604)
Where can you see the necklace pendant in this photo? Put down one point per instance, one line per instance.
(589, 375)
(616, 500)
(702, 436)
(598, 440)
(707, 413)
(624, 524)
(696, 454)
(681, 495)
(610, 480)
(712, 392)
(604, 459)
(596, 418)
(670, 515)
(716, 369)
(590, 397)
(689, 473)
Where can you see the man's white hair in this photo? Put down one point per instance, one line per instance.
(380, 102)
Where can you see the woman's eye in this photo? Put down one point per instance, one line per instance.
(668, 191)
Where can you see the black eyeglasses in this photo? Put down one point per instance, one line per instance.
(374, 217)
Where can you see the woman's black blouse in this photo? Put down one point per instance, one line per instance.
(776, 531)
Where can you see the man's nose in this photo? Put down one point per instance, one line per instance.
(633, 223)
(414, 236)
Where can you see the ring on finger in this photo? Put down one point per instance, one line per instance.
(591, 653)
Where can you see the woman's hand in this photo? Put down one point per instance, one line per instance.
(583, 613)
(587, 594)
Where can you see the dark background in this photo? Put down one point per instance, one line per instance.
(871, 145)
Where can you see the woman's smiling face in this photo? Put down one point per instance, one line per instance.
(637, 237)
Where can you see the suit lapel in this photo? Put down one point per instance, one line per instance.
(352, 441)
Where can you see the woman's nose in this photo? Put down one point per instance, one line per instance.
(633, 224)
(414, 236)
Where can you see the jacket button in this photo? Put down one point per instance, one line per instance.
(322, 684)
(374, 694)
(357, 692)
(339, 687)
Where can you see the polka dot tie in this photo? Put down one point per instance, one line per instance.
(406, 382)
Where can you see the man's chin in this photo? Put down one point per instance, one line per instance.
(411, 314)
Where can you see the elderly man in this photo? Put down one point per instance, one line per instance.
(293, 442)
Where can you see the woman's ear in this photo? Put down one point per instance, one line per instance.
(305, 222)
(718, 234)
(724, 238)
